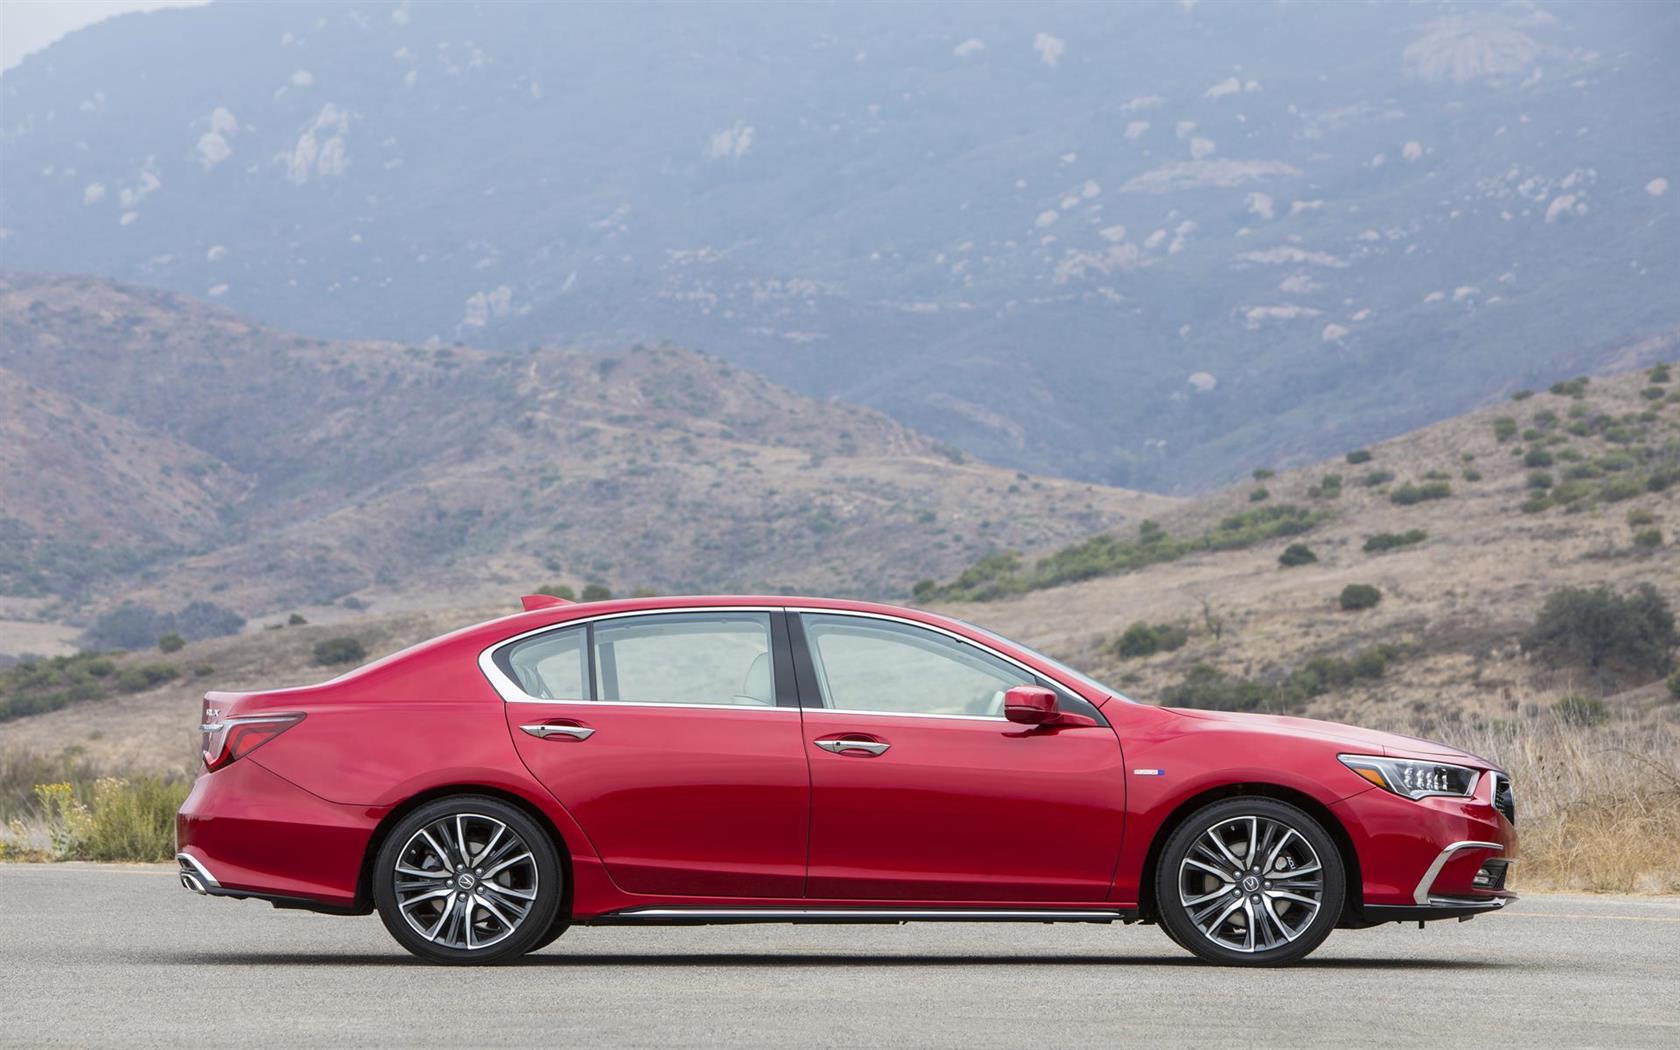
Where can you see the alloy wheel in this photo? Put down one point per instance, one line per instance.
(1251, 883)
(465, 881)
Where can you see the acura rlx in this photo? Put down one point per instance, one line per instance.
(771, 759)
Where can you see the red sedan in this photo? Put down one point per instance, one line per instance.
(773, 759)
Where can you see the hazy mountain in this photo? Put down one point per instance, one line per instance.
(1147, 244)
(159, 449)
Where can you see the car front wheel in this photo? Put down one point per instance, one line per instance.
(1250, 882)
(468, 879)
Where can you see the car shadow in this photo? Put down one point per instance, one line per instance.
(790, 959)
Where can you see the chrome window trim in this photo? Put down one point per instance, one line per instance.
(907, 621)
(902, 714)
(511, 693)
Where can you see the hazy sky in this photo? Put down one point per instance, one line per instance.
(29, 25)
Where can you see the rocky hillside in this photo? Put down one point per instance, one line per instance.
(1147, 243)
(163, 451)
(1460, 574)
(1462, 528)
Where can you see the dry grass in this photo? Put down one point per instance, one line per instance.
(1598, 809)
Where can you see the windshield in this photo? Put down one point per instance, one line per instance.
(1060, 668)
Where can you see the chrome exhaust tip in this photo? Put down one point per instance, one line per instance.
(194, 875)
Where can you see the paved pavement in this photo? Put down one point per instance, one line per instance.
(121, 956)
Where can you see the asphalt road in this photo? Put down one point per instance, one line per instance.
(122, 956)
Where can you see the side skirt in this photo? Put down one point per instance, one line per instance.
(728, 916)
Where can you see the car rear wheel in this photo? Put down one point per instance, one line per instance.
(1250, 882)
(468, 879)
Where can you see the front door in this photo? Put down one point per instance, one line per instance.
(663, 737)
(922, 791)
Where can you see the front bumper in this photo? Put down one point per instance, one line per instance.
(1435, 858)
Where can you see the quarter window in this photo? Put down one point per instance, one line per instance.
(686, 658)
(548, 666)
(878, 665)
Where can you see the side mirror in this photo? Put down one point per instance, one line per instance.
(1030, 705)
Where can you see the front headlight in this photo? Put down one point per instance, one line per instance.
(1412, 778)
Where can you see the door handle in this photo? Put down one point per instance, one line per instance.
(874, 747)
(544, 730)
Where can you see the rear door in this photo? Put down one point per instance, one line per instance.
(921, 790)
(673, 739)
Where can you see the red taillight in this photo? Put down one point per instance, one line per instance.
(237, 736)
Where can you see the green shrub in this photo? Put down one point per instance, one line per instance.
(1620, 488)
(1387, 541)
(1411, 493)
(1536, 503)
(1262, 473)
(1611, 636)
(1580, 710)
(1658, 374)
(112, 819)
(1208, 688)
(1570, 492)
(1653, 393)
(1640, 516)
(1002, 573)
(171, 643)
(1357, 596)
(140, 677)
(35, 686)
(1504, 428)
(1674, 685)
(1377, 477)
(1522, 395)
(1144, 639)
(134, 820)
(1572, 388)
(1648, 539)
(1259, 495)
(1472, 475)
(295, 620)
(1296, 554)
(1538, 457)
(1358, 456)
(1328, 487)
(332, 651)
(1539, 479)
(596, 592)
(131, 626)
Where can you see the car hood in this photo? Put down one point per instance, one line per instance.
(1352, 738)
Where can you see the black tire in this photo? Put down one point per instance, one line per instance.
(487, 907)
(1285, 929)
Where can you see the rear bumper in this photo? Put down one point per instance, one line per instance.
(1436, 858)
(246, 832)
